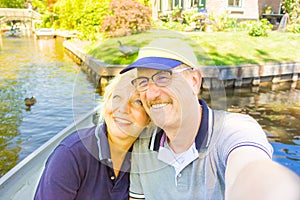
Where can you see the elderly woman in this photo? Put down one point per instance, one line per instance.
(94, 163)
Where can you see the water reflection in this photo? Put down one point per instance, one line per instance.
(37, 68)
(1, 43)
(276, 108)
(10, 115)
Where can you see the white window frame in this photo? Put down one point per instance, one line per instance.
(235, 8)
(234, 4)
(179, 4)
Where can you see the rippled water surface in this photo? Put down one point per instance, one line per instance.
(40, 68)
(37, 68)
(277, 110)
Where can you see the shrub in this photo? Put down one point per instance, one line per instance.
(294, 28)
(177, 15)
(170, 25)
(127, 17)
(82, 16)
(260, 28)
(223, 22)
(194, 19)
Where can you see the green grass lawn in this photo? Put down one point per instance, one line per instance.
(217, 48)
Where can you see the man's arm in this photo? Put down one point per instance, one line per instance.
(251, 174)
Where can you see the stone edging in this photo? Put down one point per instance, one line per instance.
(252, 74)
(214, 76)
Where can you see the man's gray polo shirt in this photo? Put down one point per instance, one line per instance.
(156, 171)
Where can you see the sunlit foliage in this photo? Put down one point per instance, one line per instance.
(12, 3)
(80, 15)
(38, 5)
(127, 17)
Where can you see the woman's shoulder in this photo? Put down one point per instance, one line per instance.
(79, 136)
(81, 143)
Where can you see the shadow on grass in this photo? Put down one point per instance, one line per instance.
(216, 59)
(230, 59)
(265, 57)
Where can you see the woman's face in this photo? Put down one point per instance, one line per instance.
(124, 112)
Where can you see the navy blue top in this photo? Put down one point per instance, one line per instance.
(78, 170)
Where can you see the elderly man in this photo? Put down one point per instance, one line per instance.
(196, 152)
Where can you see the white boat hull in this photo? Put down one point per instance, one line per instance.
(21, 181)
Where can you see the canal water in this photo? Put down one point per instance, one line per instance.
(277, 110)
(40, 68)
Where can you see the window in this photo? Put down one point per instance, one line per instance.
(235, 3)
(178, 3)
(194, 3)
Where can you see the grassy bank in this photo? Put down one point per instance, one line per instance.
(219, 48)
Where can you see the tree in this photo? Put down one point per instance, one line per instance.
(12, 3)
(84, 16)
(127, 17)
(291, 5)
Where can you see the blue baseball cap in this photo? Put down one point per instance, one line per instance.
(157, 63)
(164, 54)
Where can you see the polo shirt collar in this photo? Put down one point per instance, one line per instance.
(104, 151)
(102, 142)
(159, 136)
(202, 135)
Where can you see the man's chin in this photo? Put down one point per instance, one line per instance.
(160, 121)
(161, 116)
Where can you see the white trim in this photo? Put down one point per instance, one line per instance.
(136, 196)
(235, 9)
(153, 139)
(210, 126)
(98, 141)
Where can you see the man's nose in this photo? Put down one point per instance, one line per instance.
(153, 91)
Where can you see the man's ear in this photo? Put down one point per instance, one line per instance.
(196, 81)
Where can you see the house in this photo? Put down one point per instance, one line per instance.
(240, 9)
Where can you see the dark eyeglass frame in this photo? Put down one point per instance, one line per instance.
(155, 78)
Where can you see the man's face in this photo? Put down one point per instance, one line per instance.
(170, 106)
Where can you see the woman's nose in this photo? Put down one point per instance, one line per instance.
(123, 107)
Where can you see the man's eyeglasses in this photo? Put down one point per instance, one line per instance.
(161, 79)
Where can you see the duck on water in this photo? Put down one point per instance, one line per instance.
(30, 101)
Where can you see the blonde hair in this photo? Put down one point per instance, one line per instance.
(113, 83)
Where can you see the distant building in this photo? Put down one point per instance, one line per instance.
(241, 9)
